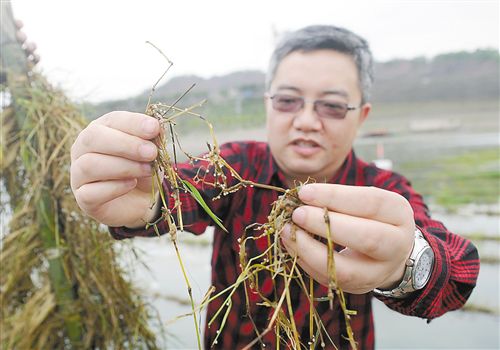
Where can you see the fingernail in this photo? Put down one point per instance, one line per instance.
(147, 150)
(130, 183)
(299, 216)
(149, 125)
(286, 232)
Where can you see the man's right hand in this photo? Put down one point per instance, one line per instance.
(111, 168)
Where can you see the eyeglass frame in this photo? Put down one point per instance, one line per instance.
(347, 107)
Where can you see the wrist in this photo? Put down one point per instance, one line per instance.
(417, 272)
(396, 277)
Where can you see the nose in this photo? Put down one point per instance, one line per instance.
(306, 119)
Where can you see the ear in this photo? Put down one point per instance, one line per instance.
(364, 112)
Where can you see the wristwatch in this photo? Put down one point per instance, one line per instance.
(418, 269)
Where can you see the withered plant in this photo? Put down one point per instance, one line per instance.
(275, 259)
(61, 282)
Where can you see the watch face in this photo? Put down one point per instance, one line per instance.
(423, 268)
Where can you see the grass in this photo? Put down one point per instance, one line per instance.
(472, 177)
(481, 237)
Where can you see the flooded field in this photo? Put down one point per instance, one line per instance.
(455, 330)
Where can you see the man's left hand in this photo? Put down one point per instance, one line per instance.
(375, 226)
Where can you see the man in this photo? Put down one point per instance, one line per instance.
(317, 98)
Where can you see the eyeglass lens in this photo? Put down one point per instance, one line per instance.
(325, 109)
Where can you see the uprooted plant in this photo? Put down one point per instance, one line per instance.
(274, 260)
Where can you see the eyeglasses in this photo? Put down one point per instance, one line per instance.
(325, 109)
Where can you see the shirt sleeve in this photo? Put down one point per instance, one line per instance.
(194, 218)
(456, 263)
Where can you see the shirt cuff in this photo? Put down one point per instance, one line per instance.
(422, 303)
(123, 232)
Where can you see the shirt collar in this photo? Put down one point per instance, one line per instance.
(345, 175)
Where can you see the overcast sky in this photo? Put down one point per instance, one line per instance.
(96, 49)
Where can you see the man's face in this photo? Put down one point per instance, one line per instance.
(303, 143)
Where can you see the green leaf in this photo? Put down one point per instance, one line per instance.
(197, 196)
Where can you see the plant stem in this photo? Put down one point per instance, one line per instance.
(63, 291)
(189, 289)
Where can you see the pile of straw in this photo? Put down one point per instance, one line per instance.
(61, 286)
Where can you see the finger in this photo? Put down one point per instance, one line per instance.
(103, 200)
(92, 167)
(93, 195)
(367, 202)
(137, 124)
(99, 138)
(358, 273)
(309, 252)
(354, 272)
(313, 258)
(373, 238)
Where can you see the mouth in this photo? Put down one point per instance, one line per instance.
(305, 143)
(305, 147)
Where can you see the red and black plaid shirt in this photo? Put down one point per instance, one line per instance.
(455, 269)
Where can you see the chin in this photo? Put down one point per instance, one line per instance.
(295, 165)
(302, 173)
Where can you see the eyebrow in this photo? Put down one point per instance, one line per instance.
(339, 92)
(342, 93)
